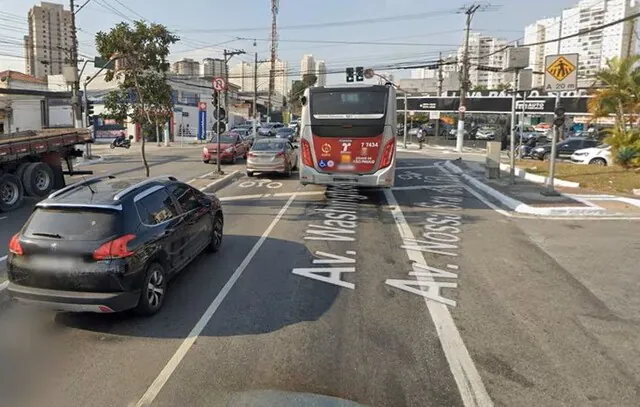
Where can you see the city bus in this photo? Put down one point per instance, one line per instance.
(348, 135)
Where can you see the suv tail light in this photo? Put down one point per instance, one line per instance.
(114, 249)
(387, 153)
(14, 245)
(306, 153)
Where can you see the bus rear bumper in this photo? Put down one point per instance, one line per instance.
(383, 178)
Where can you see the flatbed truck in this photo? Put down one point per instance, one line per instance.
(31, 163)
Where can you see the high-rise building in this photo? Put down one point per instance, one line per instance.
(484, 50)
(187, 67)
(243, 73)
(542, 30)
(307, 65)
(597, 47)
(48, 46)
(321, 73)
(212, 67)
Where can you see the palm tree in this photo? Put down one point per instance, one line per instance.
(620, 95)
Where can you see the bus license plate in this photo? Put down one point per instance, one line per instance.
(344, 179)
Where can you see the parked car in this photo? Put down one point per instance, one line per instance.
(486, 133)
(286, 133)
(272, 155)
(564, 148)
(107, 244)
(525, 132)
(599, 155)
(232, 146)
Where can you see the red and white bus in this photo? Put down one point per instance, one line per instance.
(348, 135)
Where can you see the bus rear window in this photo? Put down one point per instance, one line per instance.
(348, 104)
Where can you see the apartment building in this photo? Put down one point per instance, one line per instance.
(49, 43)
(212, 67)
(307, 65)
(321, 73)
(186, 67)
(542, 30)
(486, 51)
(242, 75)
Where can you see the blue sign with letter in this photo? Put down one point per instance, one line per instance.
(202, 125)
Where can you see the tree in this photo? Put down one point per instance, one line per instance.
(478, 88)
(309, 79)
(140, 52)
(503, 86)
(620, 97)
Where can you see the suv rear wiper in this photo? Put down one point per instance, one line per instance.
(44, 234)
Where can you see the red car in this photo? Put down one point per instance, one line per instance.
(232, 146)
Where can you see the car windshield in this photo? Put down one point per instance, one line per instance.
(263, 145)
(225, 138)
(285, 130)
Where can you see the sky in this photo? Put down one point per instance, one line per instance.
(420, 29)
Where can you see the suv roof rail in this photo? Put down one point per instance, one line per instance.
(76, 185)
(133, 187)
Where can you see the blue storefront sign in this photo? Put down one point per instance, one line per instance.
(202, 125)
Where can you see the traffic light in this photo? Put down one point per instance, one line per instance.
(559, 118)
(349, 74)
(359, 74)
(90, 113)
(215, 101)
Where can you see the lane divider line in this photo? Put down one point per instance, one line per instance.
(464, 371)
(157, 385)
(231, 174)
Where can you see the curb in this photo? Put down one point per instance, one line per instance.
(90, 162)
(539, 179)
(521, 207)
(223, 182)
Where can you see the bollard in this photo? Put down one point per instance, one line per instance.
(493, 159)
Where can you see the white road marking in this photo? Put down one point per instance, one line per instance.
(220, 180)
(201, 177)
(4, 285)
(468, 380)
(155, 388)
(3, 258)
(417, 167)
(3, 217)
(261, 196)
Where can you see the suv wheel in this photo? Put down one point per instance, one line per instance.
(217, 231)
(598, 161)
(153, 291)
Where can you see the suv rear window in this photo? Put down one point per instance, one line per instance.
(84, 224)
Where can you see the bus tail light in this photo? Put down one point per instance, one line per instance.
(306, 153)
(387, 153)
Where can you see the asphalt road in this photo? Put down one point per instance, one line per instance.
(419, 296)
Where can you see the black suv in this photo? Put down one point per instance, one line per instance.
(564, 148)
(107, 244)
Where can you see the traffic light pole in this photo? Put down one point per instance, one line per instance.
(218, 169)
(552, 160)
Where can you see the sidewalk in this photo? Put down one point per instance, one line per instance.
(426, 148)
(526, 197)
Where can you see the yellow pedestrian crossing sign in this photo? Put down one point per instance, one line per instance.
(561, 72)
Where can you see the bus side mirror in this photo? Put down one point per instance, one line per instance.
(303, 100)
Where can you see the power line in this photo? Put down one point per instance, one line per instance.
(420, 16)
(358, 42)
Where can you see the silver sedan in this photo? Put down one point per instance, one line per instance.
(272, 155)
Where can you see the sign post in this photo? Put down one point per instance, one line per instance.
(560, 74)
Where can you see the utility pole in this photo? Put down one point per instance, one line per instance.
(464, 84)
(275, 7)
(75, 87)
(227, 57)
(440, 81)
(255, 92)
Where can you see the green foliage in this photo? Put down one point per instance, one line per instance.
(626, 156)
(478, 88)
(297, 90)
(625, 141)
(309, 79)
(140, 53)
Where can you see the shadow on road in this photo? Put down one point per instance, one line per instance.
(266, 298)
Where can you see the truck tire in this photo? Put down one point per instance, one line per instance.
(38, 180)
(11, 192)
(21, 169)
